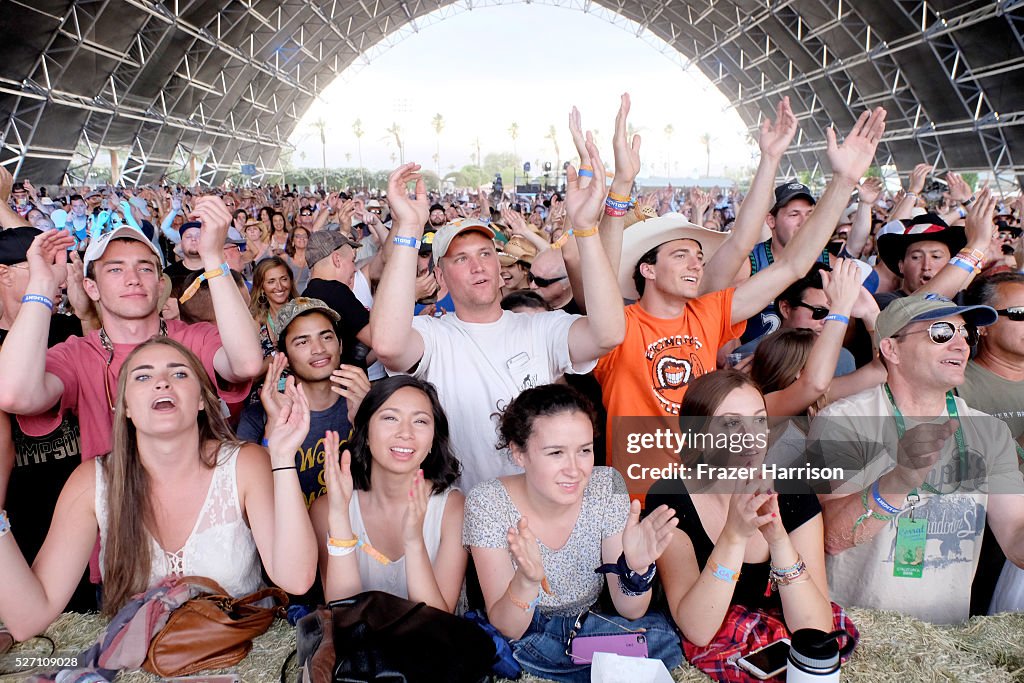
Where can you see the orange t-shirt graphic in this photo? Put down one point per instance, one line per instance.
(647, 374)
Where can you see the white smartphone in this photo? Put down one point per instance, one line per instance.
(767, 661)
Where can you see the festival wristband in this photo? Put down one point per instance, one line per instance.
(406, 241)
(222, 269)
(339, 548)
(5, 524)
(584, 173)
(525, 606)
(882, 502)
(589, 232)
(838, 317)
(265, 442)
(37, 299)
(724, 573)
(614, 196)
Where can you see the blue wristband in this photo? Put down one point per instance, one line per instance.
(37, 299)
(265, 443)
(837, 317)
(585, 173)
(406, 241)
(882, 502)
(962, 265)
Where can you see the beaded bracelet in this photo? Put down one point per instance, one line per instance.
(868, 513)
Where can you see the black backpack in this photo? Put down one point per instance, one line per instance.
(376, 636)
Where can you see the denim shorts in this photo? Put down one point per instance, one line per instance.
(541, 650)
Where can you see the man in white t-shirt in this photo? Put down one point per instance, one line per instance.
(481, 357)
(903, 530)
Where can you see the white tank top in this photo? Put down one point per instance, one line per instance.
(391, 578)
(221, 546)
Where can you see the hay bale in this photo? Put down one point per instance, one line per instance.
(892, 647)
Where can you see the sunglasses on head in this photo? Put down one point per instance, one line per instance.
(942, 332)
(543, 281)
(817, 312)
(1016, 314)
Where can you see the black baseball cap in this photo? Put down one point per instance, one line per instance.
(14, 244)
(787, 192)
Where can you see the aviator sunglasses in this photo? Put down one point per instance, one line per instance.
(942, 332)
(817, 312)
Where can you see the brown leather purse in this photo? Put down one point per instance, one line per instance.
(211, 631)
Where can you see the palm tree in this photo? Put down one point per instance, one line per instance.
(357, 130)
(348, 157)
(438, 122)
(321, 126)
(705, 140)
(553, 136)
(513, 132)
(669, 129)
(396, 131)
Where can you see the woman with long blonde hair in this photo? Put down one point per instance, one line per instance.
(178, 495)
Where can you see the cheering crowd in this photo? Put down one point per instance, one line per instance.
(430, 395)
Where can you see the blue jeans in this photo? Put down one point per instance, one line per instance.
(541, 650)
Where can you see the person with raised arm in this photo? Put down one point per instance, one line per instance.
(122, 276)
(176, 486)
(673, 331)
(481, 357)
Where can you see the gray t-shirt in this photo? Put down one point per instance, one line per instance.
(490, 513)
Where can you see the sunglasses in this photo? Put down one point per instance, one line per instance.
(305, 213)
(543, 281)
(229, 203)
(1016, 314)
(817, 312)
(943, 332)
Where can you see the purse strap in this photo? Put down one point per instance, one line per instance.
(210, 585)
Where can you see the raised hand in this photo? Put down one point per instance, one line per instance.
(522, 546)
(626, 151)
(917, 177)
(644, 542)
(6, 183)
(958, 187)
(274, 401)
(290, 428)
(48, 259)
(408, 211)
(979, 225)
(842, 286)
(80, 302)
(775, 137)
(412, 520)
(851, 159)
(426, 285)
(215, 217)
(351, 383)
(338, 476)
(515, 221)
(869, 190)
(578, 139)
(584, 199)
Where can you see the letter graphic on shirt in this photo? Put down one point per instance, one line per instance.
(673, 365)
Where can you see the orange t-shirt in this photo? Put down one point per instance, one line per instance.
(647, 374)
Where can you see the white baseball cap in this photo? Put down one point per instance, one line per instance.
(98, 246)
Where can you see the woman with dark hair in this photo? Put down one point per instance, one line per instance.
(177, 495)
(278, 233)
(264, 216)
(542, 542)
(238, 219)
(746, 559)
(296, 256)
(394, 486)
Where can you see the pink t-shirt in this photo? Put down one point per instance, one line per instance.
(81, 363)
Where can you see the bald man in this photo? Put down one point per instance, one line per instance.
(549, 277)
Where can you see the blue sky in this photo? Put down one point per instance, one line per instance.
(485, 68)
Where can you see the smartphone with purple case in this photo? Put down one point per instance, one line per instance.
(625, 644)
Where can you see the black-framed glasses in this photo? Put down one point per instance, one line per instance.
(1016, 314)
(817, 312)
(543, 281)
(942, 332)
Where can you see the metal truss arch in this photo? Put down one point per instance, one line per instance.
(213, 84)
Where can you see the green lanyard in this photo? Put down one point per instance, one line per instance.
(961, 442)
(825, 255)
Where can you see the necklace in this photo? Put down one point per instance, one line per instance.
(108, 346)
(961, 441)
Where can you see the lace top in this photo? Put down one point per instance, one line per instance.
(391, 578)
(221, 546)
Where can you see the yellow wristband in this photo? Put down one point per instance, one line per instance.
(342, 543)
(618, 197)
(197, 283)
(590, 232)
